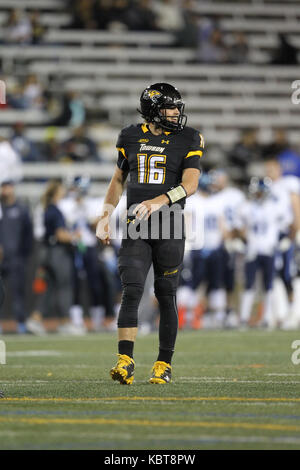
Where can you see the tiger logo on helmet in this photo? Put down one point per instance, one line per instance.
(153, 95)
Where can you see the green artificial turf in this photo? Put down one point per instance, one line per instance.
(231, 390)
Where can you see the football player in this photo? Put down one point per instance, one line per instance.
(206, 255)
(162, 158)
(80, 211)
(231, 199)
(286, 189)
(261, 220)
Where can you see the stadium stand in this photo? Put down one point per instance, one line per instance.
(221, 99)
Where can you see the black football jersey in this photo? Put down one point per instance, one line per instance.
(155, 163)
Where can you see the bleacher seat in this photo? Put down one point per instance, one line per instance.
(110, 69)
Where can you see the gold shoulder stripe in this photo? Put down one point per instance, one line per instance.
(145, 128)
(196, 152)
(122, 152)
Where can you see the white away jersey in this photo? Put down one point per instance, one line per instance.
(79, 215)
(263, 221)
(282, 189)
(231, 200)
(204, 219)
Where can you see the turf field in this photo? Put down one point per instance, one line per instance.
(231, 390)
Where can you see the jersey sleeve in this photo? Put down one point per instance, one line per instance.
(195, 152)
(58, 220)
(293, 184)
(122, 161)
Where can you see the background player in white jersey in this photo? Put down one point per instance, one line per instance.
(287, 190)
(206, 255)
(261, 219)
(80, 211)
(230, 199)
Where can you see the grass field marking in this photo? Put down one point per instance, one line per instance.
(152, 423)
(36, 353)
(34, 383)
(234, 379)
(283, 375)
(178, 399)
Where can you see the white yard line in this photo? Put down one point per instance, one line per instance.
(34, 353)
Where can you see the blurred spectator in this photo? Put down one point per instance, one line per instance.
(26, 96)
(213, 49)
(56, 262)
(51, 148)
(77, 109)
(169, 15)
(83, 14)
(26, 149)
(18, 29)
(285, 54)
(188, 36)
(38, 29)
(80, 147)
(290, 162)
(238, 51)
(33, 93)
(120, 15)
(281, 149)
(10, 162)
(15, 98)
(278, 145)
(11, 83)
(16, 241)
(104, 13)
(72, 110)
(247, 150)
(141, 17)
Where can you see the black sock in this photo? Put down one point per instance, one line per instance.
(165, 355)
(126, 347)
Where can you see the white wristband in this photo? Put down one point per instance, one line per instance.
(176, 194)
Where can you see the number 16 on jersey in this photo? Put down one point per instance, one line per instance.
(151, 169)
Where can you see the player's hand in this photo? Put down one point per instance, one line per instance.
(146, 208)
(76, 235)
(102, 230)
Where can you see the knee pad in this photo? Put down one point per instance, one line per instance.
(165, 286)
(128, 315)
(132, 292)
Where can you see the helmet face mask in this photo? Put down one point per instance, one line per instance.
(159, 97)
(260, 188)
(205, 183)
(80, 185)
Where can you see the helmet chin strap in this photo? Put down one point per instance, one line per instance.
(168, 125)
